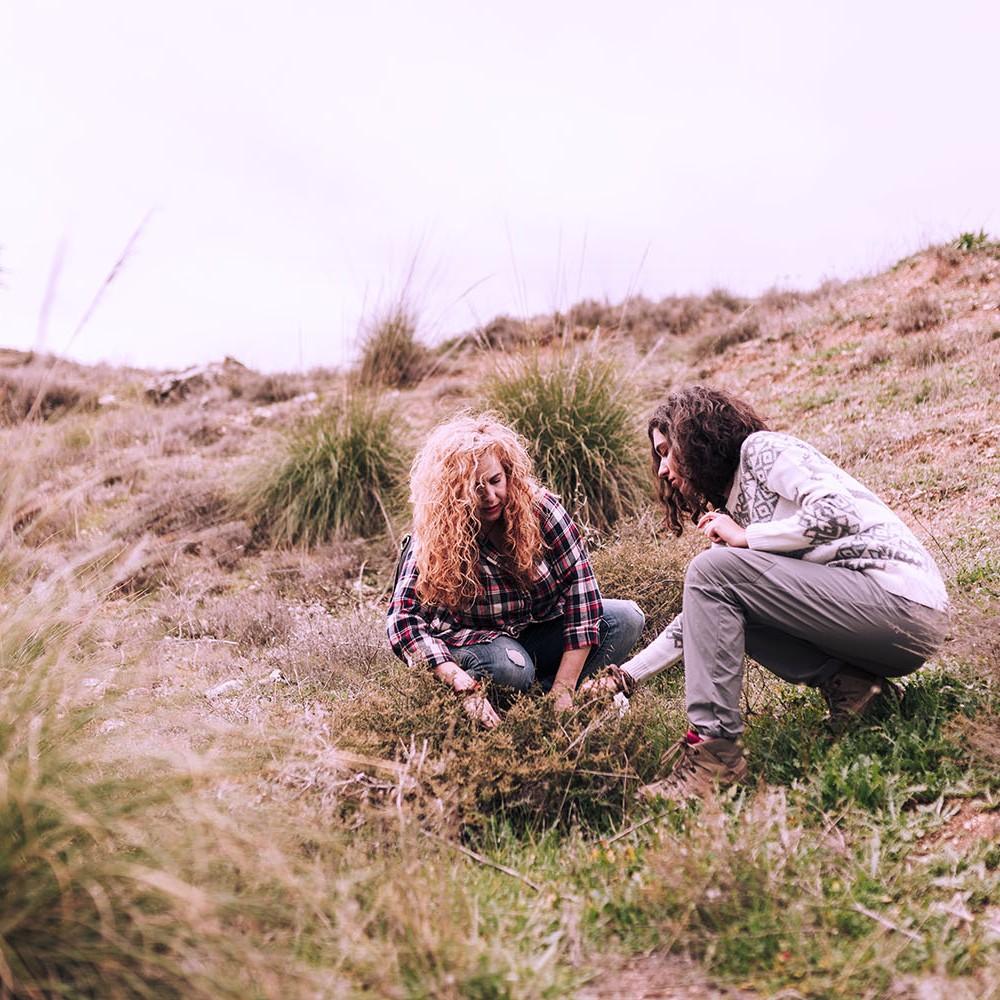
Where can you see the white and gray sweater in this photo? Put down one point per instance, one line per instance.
(793, 500)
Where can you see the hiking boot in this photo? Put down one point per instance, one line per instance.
(698, 769)
(852, 694)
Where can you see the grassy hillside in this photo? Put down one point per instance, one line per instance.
(217, 780)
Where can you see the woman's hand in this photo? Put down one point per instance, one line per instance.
(601, 684)
(719, 527)
(611, 680)
(474, 703)
(477, 706)
(563, 697)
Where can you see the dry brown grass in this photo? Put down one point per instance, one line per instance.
(918, 312)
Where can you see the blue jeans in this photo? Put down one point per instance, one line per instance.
(535, 654)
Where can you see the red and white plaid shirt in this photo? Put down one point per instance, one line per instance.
(564, 587)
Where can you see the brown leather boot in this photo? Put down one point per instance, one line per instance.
(698, 770)
(852, 693)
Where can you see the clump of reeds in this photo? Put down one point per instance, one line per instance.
(391, 354)
(338, 474)
(573, 411)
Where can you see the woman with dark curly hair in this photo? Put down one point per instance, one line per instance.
(497, 583)
(809, 572)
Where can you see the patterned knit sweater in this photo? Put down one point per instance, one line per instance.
(793, 500)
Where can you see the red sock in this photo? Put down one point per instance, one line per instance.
(693, 737)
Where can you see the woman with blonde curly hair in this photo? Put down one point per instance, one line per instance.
(496, 582)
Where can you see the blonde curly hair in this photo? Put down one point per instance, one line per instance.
(446, 523)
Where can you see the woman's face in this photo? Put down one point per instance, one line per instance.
(491, 489)
(668, 468)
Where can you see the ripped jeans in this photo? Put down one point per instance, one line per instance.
(535, 654)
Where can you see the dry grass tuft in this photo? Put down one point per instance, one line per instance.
(391, 355)
(927, 350)
(40, 391)
(919, 312)
(746, 327)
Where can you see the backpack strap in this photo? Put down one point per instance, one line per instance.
(405, 544)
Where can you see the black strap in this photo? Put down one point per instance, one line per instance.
(404, 551)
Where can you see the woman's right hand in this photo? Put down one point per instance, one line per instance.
(474, 703)
(477, 706)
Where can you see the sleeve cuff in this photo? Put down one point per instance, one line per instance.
(581, 636)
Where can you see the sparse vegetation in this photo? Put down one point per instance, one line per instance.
(573, 410)
(338, 474)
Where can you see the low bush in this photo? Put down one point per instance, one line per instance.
(722, 298)
(535, 771)
(715, 342)
(917, 313)
(391, 355)
(779, 299)
(573, 411)
(927, 350)
(338, 474)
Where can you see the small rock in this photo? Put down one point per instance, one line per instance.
(277, 677)
(111, 725)
(226, 687)
(108, 399)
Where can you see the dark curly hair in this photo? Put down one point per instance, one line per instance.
(705, 429)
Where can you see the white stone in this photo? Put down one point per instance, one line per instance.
(226, 687)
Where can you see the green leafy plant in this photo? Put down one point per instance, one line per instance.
(971, 241)
(338, 474)
(573, 410)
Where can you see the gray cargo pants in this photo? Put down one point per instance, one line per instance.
(803, 621)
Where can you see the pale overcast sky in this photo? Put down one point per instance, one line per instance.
(296, 157)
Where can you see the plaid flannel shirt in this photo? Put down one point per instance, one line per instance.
(565, 587)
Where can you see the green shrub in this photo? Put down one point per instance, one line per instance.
(537, 770)
(339, 474)
(391, 355)
(573, 410)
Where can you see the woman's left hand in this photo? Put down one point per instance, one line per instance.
(563, 698)
(719, 527)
